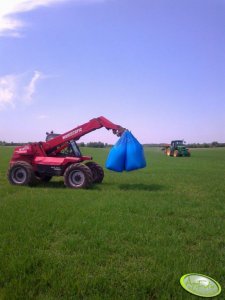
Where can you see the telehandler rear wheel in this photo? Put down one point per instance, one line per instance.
(21, 173)
(78, 176)
(96, 170)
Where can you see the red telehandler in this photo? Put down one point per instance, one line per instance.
(59, 155)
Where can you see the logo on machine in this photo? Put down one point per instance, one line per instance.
(23, 149)
(66, 136)
(55, 168)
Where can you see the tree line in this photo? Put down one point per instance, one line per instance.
(105, 145)
(206, 145)
(82, 144)
(191, 145)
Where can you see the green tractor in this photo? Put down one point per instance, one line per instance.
(177, 148)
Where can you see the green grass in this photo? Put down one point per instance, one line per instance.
(132, 237)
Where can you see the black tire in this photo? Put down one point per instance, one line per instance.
(96, 170)
(78, 176)
(21, 173)
(168, 152)
(175, 153)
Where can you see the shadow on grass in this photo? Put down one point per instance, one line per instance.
(51, 184)
(124, 187)
(141, 187)
(60, 185)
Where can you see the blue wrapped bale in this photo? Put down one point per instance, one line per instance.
(135, 157)
(127, 154)
(117, 155)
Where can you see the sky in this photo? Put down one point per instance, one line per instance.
(155, 67)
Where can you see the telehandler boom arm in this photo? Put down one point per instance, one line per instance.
(80, 131)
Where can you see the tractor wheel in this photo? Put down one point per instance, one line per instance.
(21, 173)
(176, 153)
(78, 176)
(96, 170)
(168, 151)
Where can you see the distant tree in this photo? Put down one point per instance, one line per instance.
(96, 145)
(205, 145)
(82, 144)
(215, 144)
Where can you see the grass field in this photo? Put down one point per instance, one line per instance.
(132, 237)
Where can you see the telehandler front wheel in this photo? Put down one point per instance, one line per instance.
(96, 170)
(21, 173)
(78, 176)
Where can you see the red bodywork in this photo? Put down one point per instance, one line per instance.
(43, 154)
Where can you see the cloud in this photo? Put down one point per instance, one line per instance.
(7, 89)
(9, 23)
(9, 10)
(42, 117)
(17, 89)
(29, 90)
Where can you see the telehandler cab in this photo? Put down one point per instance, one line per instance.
(59, 155)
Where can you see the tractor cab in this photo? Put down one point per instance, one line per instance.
(177, 143)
